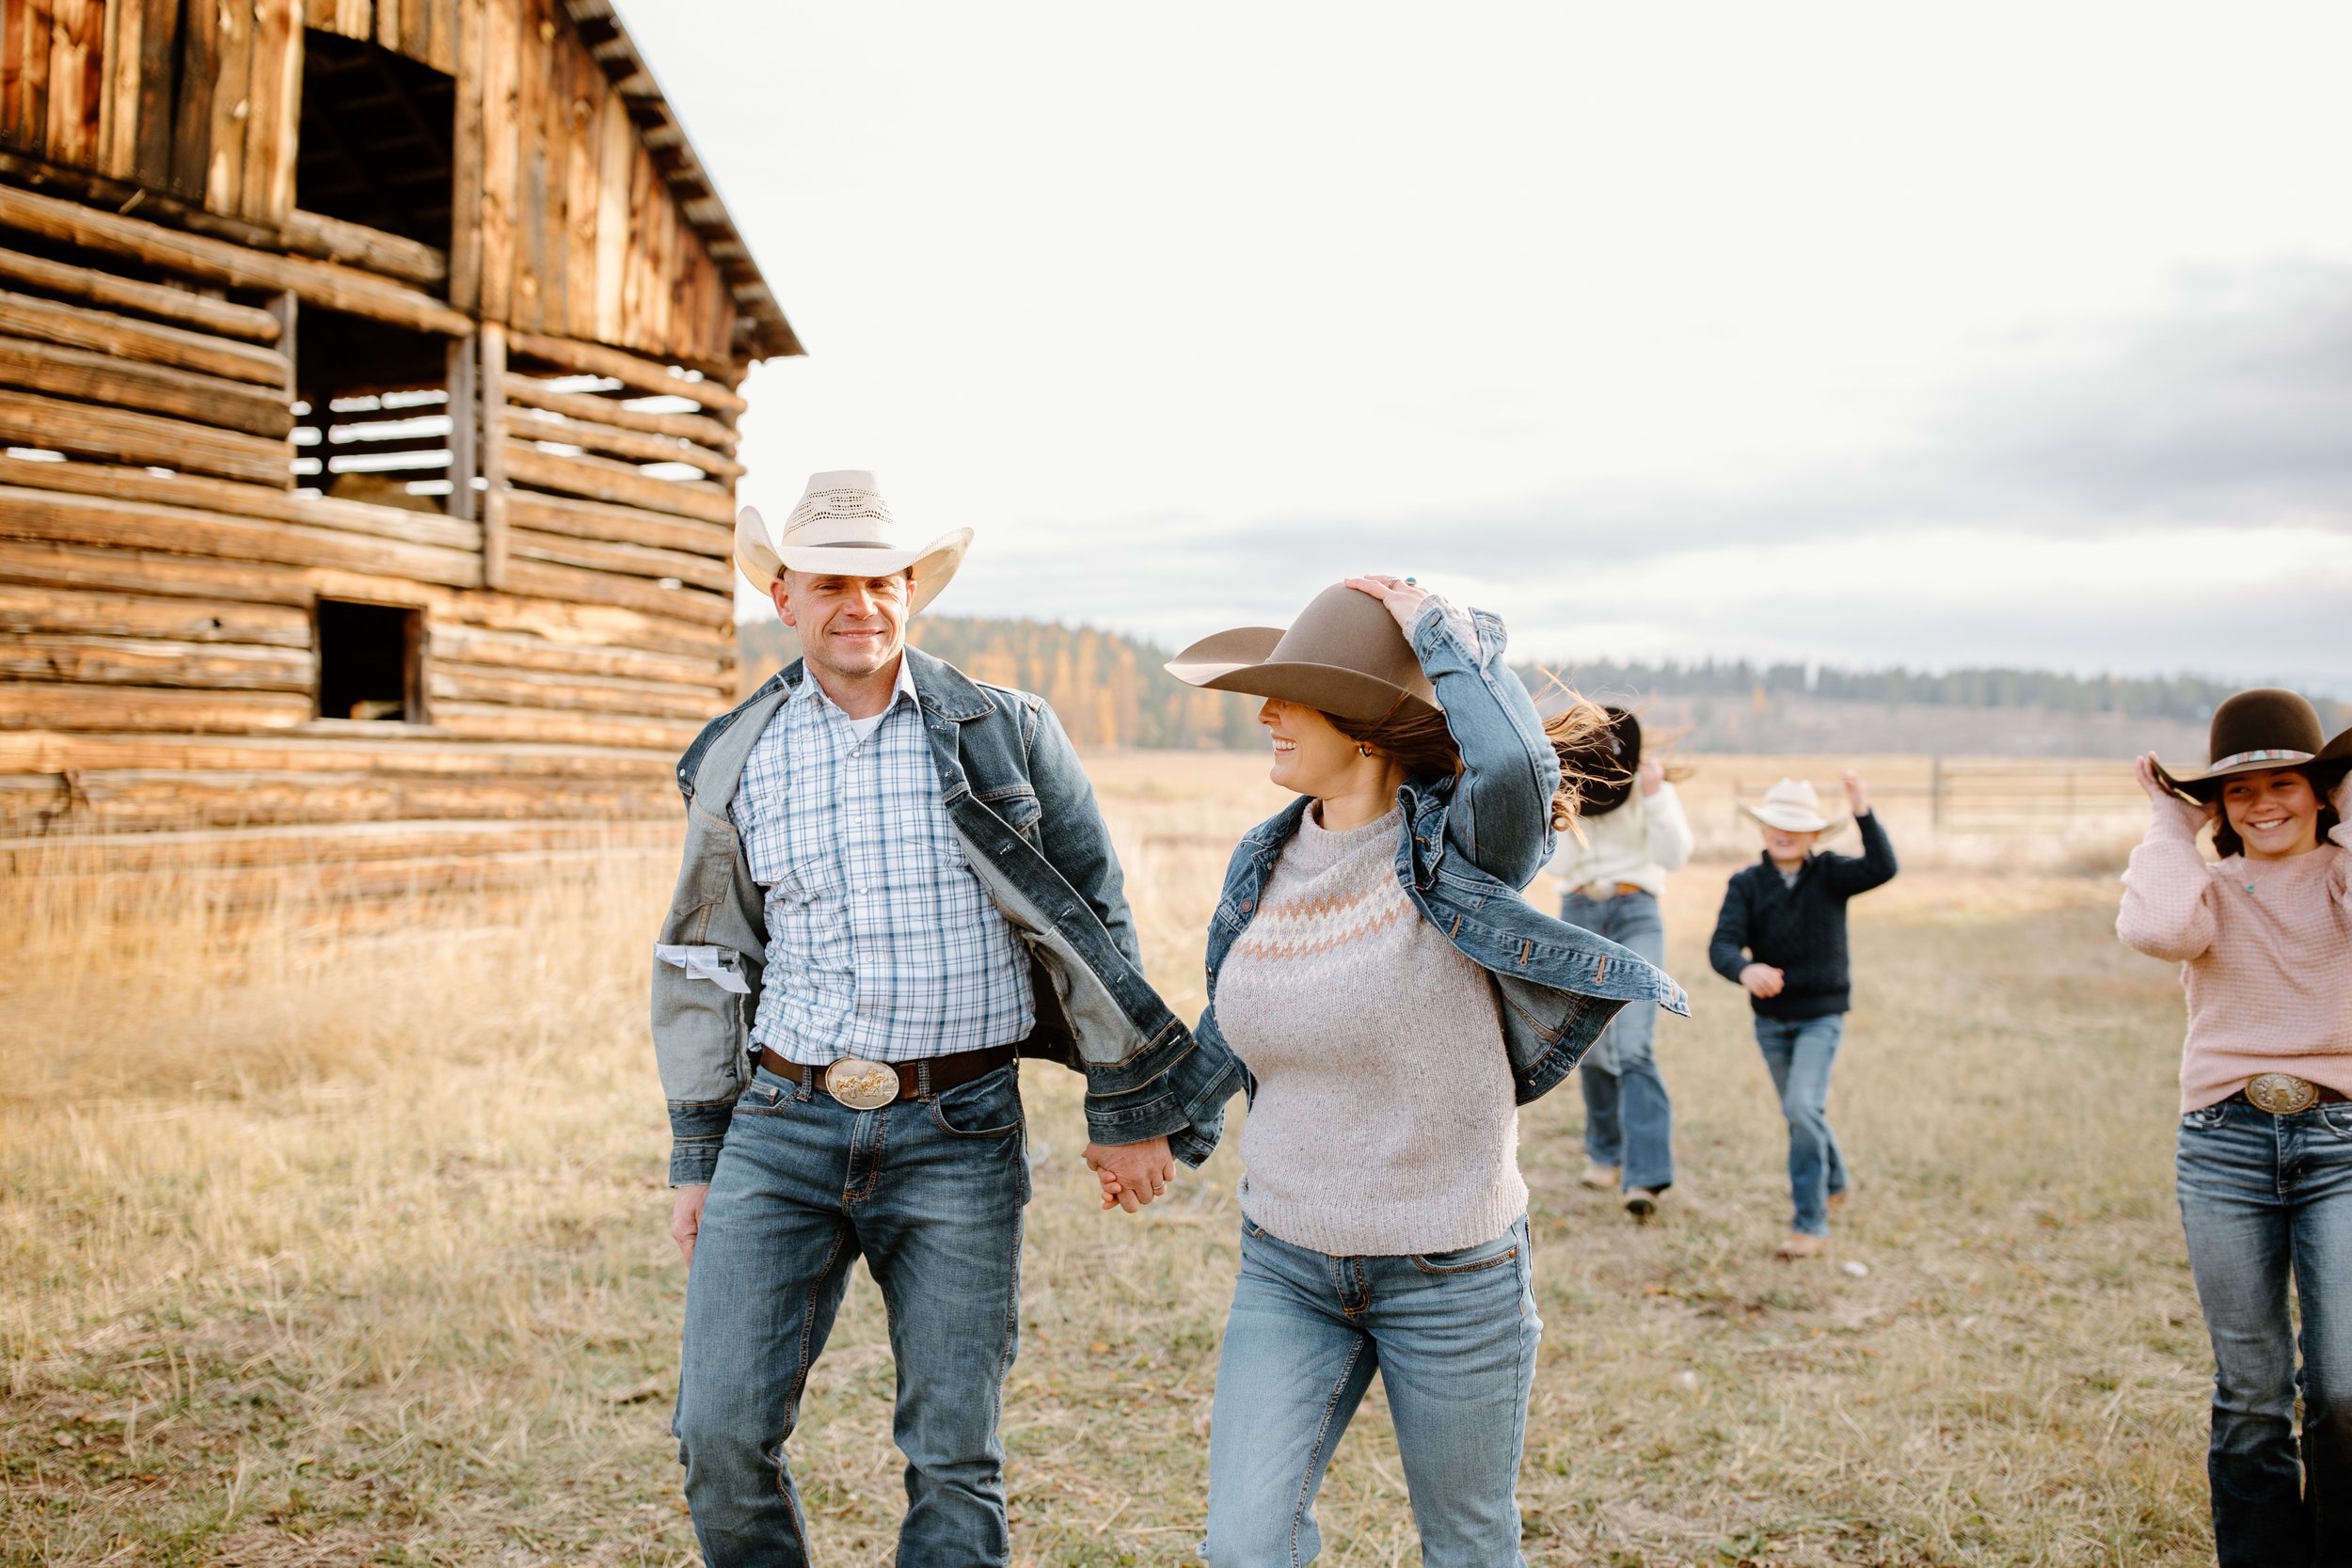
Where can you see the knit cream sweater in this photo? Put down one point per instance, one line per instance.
(1637, 843)
(2265, 956)
(1384, 1120)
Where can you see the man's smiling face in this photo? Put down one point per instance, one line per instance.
(850, 626)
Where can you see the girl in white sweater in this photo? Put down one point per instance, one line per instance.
(1634, 833)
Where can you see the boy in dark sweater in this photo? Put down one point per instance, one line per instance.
(1782, 935)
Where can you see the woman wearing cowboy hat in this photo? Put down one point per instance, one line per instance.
(1393, 1000)
(1633, 833)
(1782, 938)
(2264, 1159)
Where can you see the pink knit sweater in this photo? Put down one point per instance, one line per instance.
(2265, 956)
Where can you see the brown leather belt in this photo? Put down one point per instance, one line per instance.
(1618, 892)
(861, 1084)
(2282, 1093)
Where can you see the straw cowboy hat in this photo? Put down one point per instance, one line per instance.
(1793, 806)
(1605, 763)
(2252, 732)
(842, 527)
(1344, 655)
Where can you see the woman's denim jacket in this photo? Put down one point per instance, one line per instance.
(1471, 843)
(1025, 815)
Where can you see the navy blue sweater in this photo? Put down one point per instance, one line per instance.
(1798, 929)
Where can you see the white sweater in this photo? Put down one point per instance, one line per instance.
(1383, 1121)
(1638, 843)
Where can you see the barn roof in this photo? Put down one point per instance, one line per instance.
(664, 138)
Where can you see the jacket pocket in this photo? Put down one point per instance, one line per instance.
(1016, 806)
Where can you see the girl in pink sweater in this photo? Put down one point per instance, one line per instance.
(2263, 1163)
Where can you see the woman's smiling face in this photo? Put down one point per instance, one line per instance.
(1311, 756)
(2276, 813)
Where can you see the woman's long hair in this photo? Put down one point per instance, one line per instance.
(1422, 744)
(2226, 841)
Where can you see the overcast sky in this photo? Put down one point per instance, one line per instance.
(2019, 335)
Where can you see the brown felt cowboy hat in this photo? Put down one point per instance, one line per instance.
(2253, 731)
(1344, 655)
(1604, 765)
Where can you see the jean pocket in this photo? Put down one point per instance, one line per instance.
(2336, 1115)
(987, 1107)
(1470, 1259)
(2206, 1118)
(763, 1096)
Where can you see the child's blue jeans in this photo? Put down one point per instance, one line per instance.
(1799, 1051)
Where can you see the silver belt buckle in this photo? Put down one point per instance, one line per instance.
(862, 1086)
(2282, 1093)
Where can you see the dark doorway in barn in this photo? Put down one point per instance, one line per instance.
(368, 661)
(378, 131)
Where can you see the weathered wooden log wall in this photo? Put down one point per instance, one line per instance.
(576, 210)
(163, 545)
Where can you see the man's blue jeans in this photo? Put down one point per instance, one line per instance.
(2264, 1198)
(930, 1192)
(1629, 1121)
(1452, 1336)
(1798, 1051)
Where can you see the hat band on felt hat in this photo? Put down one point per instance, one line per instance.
(2244, 757)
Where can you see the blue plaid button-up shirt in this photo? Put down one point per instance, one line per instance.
(882, 943)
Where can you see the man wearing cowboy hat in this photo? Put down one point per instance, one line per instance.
(895, 882)
(1782, 936)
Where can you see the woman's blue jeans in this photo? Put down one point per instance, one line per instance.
(1629, 1121)
(930, 1191)
(2264, 1199)
(1799, 1051)
(1452, 1336)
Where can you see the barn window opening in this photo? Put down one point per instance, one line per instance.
(367, 658)
(374, 421)
(378, 131)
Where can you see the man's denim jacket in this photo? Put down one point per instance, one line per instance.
(1471, 842)
(1027, 818)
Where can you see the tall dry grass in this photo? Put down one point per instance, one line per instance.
(329, 1241)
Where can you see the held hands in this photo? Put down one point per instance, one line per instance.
(1402, 598)
(1857, 800)
(1762, 980)
(2162, 801)
(1650, 775)
(1132, 1174)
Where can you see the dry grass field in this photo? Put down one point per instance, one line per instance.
(329, 1245)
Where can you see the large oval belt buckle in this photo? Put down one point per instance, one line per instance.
(862, 1086)
(2282, 1093)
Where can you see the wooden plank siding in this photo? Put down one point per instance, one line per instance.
(564, 222)
(162, 657)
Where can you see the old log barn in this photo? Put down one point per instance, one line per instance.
(368, 379)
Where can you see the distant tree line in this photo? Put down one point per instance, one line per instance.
(1111, 690)
(1106, 689)
(2189, 697)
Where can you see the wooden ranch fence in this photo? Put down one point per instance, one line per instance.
(1987, 795)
